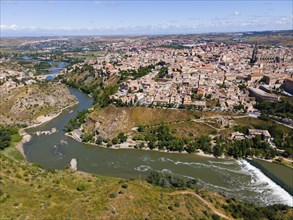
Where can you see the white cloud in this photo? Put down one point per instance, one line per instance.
(236, 13)
(254, 23)
(4, 27)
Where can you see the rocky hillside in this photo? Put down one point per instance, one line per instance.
(110, 121)
(34, 103)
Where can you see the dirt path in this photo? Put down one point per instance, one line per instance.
(208, 204)
(211, 126)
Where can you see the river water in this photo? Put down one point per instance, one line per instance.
(56, 65)
(238, 179)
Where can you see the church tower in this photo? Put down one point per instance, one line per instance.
(254, 56)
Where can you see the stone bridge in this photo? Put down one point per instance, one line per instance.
(41, 77)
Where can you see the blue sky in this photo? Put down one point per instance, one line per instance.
(105, 17)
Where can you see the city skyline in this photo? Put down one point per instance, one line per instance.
(48, 18)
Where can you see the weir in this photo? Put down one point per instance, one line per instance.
(288, 186)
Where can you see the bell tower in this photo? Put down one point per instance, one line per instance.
(254, 56)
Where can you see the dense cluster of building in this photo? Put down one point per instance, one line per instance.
(208, 75)
(186, 72)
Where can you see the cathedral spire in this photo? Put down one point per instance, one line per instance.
(254, 54)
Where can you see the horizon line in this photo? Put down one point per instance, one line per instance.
(138, 35)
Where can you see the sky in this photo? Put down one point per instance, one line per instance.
(137, 17)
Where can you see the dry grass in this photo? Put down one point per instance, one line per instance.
(112, 120)
(260, 124)
(191, 129)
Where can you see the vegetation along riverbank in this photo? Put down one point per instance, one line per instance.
(187, 131)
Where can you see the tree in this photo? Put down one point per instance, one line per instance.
(218, 150)
(154, 177)
(87, 137)
(190, 148)
(122, 137)
(140, 128)
(99, 140)
(115, 140)
(208, 96)
(5, 138)
(204, 143)
(242, 86)
(151, 145)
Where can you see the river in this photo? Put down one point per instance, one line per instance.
(238, 179)
(56, 66)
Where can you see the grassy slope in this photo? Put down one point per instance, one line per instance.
(11, 151)
(258, 123)
(32, 192)
(29, 192)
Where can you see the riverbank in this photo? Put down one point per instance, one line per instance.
(25, 138)
(41, 120)
(131, 146)
(278, 160)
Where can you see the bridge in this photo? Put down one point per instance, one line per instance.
(41, 77)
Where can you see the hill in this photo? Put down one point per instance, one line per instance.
(28, 191)
(29, 104)
(124, 119)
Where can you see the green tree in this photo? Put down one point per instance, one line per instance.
(87, 137)
(99, 140)
(218, 150)
(122, 137)
(204, 143)
(115, 140)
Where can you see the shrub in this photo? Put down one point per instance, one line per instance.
(124, 186)
(115, 141)
(37, 165)
(121, 192)
(80, 187)
(216, 217)
(171, 208)
(99, 140)
(169, 180)
(87, 137)
(113, 195)
(177, 204)
(51, 170)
